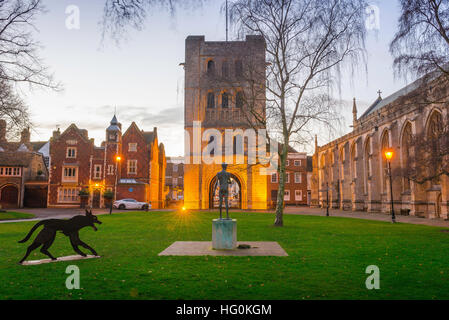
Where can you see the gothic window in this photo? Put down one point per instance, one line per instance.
(210, 67)
(367, 163)
(385, 145)
(224, 100)
(354, 161)
(225, 69)
(405, 147)
(238, 68)
(211, 141)
(239, 99)
(210, 100)
(434, 131)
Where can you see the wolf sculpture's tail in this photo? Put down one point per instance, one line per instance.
(37, 225)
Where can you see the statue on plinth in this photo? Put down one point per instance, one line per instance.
(224, 179)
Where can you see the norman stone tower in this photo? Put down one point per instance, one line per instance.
(220, 78)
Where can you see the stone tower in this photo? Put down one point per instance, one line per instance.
(216, 99)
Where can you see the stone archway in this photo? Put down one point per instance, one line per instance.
(9, 196)
(235, 194)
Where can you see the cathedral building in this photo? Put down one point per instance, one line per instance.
(130, 165)
(352, 171)
(215, 87)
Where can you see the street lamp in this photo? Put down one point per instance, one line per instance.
(117, 160)
(389, 153)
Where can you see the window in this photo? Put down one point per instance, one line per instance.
(274, 195)
(175, 168)
(224, 100)
(210, 67)
(287, 177)
(298, 195)
(10, 171)
(110, 169)
(286, 195)
(70, 174)
(298, 177)
(68, 195)
(113, 137)
(132, 147)
(287, 163)
(97, 171)
(225, 69)
(238, 68)
(239, 99)
(210, 100)
(175, 182)
(71, 152)
(297, 163)
(274, 178)
(132, 166)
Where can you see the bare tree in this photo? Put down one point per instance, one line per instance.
(19, 59)
(421, 44)
(120, 15)
(307, 42)
(13, 111)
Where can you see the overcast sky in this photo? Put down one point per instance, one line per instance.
(142, 77)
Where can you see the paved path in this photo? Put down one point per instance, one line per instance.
(63, 213)
(365, 215)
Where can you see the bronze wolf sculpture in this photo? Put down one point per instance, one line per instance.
(69, 227)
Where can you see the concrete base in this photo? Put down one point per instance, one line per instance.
(204, 248)
(67, 258)
(224, 234)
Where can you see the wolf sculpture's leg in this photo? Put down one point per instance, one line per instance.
(85, 245)
(48, 243)
(74, 238)
(32, 247)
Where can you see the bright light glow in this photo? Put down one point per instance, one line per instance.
(118, 158)
(183, 208)
(389, 153)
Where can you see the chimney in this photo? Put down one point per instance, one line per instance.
(2, 130)
(25, 136)
(56, 134)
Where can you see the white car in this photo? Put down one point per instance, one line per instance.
(131, 204)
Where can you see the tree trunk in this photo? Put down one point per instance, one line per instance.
(279, 221)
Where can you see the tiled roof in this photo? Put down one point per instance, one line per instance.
(22, 159)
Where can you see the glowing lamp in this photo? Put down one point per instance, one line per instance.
(118, 158)
(389, 153)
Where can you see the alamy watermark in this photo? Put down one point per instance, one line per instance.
(240, 146)
(73, 280)
(373, 280)
(72, 22)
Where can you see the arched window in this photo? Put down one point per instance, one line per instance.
(406, 145)
(367, 163)
(239, 100)
(354, 160)
(342, 163)
(210, 67)
(210, 100)
(224, 100)
(238, 68)
(211, 141)
(385, 144)
(322, 169)
(225, 69)
(434, 140)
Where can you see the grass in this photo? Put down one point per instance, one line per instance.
(10, 215)
(327, 260)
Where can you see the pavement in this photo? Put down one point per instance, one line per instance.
(64, 213)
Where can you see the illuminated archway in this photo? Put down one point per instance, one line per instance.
(235, 194)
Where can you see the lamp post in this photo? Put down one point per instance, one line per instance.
(389, 153)
(117, 160)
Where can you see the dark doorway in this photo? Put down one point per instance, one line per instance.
(35, 197)
(96, 199)
(235, 194)
(438, 208)
(10, 197)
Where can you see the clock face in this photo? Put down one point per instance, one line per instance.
(112, 137)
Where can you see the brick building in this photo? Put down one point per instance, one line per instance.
(131, 165)
(23, 171)
(296, 186)
(174, 178)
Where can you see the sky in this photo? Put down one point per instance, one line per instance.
(141, 78)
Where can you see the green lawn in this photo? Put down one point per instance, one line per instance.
(327, 260)
(15, 215)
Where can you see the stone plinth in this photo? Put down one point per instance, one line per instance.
(224, 234)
